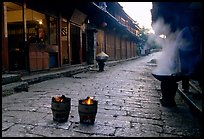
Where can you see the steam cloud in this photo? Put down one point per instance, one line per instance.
(168, 62)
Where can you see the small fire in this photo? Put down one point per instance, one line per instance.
(88, 101)
(59, 99)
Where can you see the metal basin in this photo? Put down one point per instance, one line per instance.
(167, 78)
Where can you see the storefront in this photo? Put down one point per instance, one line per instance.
(29, 38)
(37, 36)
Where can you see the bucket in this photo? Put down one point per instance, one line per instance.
(61, 110)
(87, 113)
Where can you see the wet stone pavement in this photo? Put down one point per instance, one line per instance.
(128, 106)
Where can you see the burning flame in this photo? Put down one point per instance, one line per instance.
(59, 99)
(88, 101)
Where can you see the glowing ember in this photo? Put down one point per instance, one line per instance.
(59, 99)
(88, 101)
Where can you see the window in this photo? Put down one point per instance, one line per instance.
(34, 20)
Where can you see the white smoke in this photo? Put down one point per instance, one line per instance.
(168, 62)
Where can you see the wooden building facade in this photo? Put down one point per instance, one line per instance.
(37, 36)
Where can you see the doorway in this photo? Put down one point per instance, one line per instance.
(16, 43)
(64, 38)
(84, 49)
(75, 44)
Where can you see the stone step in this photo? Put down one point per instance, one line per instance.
(10, 78)
(195, 86)
(193, 98)
(15, 87)
(31, 79)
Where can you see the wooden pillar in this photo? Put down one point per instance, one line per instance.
(120, 47)
(126, 47)
(105, 41)
(114, 46)
(80, 47)
(4, 36)
(69, 43)
(59, 27)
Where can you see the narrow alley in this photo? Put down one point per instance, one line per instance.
(128, 106)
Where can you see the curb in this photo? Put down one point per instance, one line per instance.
(22, 83)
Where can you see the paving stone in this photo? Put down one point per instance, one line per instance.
(145, 120)
(25, 117)
(182, 131)
(150, 127)
(50, 131)
(111, 112)
(17, 130)
(128, 132)
(146, 115)
(113, 123)
(93, 129)
(6, 125)
(149, 134)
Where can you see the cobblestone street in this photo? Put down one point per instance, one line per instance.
(128, 106)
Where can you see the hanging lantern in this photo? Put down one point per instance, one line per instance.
(104, 24)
